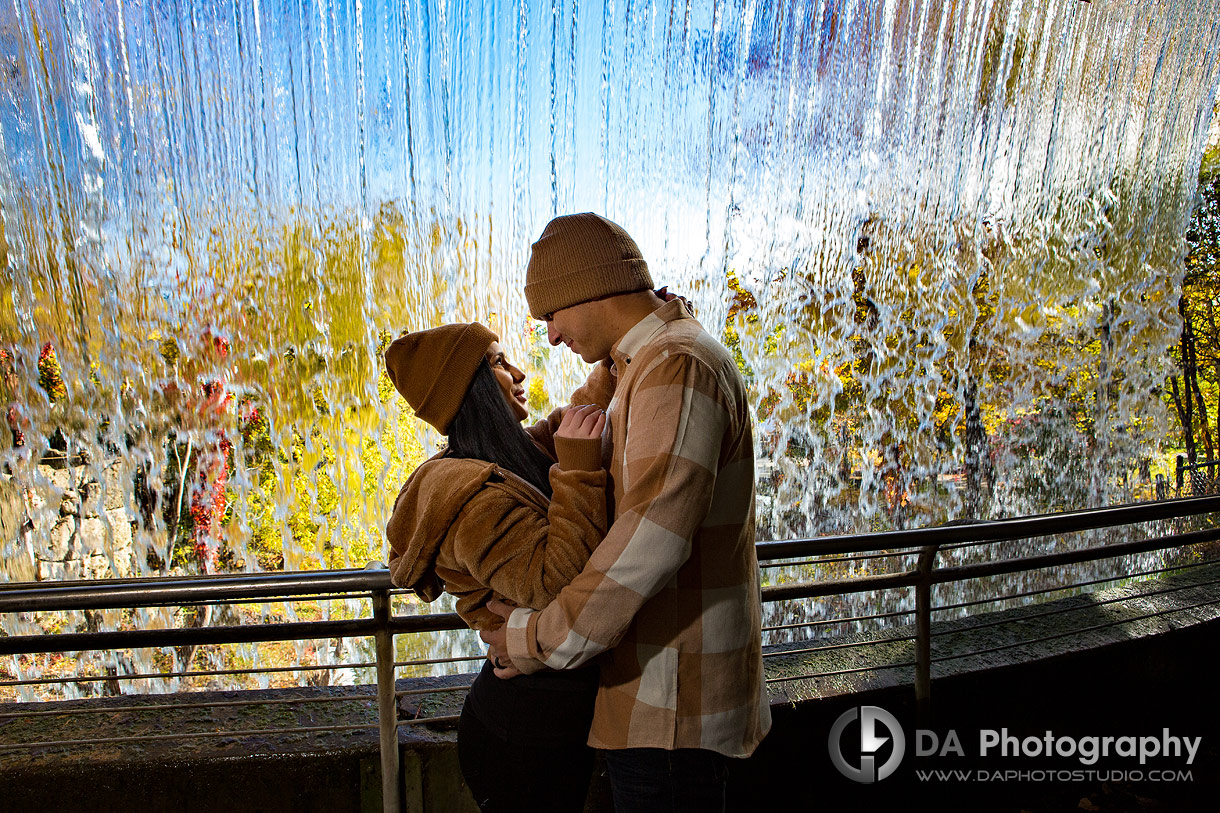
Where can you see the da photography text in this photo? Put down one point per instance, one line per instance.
(1088, 750)
(867, 744)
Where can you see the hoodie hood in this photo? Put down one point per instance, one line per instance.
(426, 507)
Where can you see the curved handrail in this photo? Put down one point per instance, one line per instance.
(162, 591)
(993, 530)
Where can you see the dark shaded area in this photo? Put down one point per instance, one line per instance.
(1134, 688)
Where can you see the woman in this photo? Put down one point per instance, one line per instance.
(494, 516)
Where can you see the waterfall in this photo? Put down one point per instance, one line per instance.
(943, 239)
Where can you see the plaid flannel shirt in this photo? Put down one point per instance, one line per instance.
(671, 596)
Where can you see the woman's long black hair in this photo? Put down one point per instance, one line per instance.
(484, 428)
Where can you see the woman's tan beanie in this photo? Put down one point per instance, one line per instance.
(579, 258)
(433, 368)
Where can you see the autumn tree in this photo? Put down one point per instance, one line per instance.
(1195, 385)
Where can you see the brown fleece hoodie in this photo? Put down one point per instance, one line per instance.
(478, 532)
(472, 529)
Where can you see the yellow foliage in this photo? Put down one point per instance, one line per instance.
(539, 400)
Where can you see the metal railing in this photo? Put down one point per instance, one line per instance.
(1202, 477)
(924, 545)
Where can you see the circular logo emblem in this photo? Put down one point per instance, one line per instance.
(870, 743)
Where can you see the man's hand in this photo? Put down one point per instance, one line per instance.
(584, 422)
(497, 642)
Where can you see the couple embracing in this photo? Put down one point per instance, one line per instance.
(605, 553)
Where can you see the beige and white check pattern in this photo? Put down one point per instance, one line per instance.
(670, 599)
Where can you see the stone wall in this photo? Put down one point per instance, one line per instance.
(82, 530)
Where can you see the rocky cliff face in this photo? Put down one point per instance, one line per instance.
(90, 530)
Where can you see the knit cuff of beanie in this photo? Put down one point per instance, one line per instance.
(550, 294)
(579, 454)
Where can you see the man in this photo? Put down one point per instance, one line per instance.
(670, 599)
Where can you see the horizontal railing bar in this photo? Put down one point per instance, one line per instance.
(231, 634)
(287, 599)
(426, 623)
(102, 595)
(207, 673)
(837, 559)
(977, 543)
(174, 706)
(188, 735)
(133, 581)
(993, 530)
(953, 573)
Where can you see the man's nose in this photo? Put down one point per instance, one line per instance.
(552, 335)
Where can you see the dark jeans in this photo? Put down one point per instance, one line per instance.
(521, 742)
(648, 780)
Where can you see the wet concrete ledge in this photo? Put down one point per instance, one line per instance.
(1140, 655)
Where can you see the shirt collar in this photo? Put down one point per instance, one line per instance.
(645, 331)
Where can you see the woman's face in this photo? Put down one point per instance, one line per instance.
(510, 379)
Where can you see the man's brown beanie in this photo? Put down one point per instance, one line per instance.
(579, 258)
(433, 368)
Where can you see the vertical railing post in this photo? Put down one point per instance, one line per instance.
(387, 705)
(923, 636)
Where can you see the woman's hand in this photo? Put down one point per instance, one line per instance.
(667, 295)
(497, 641)
(584, 422)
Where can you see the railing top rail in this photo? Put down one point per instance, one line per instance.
(150, 592)
(994, 530)
(102, 594)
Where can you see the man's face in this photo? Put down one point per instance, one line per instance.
(583, 328)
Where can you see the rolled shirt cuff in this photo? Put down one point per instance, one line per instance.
(517, 633)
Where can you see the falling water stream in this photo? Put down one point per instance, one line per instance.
(943, 239)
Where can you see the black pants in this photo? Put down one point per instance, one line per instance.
(521, 742)
(652, 780)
